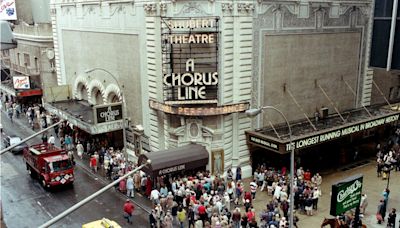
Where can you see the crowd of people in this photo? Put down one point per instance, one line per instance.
(387, 159)
(205, 200)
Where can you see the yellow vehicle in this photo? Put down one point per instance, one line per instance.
(103, 223)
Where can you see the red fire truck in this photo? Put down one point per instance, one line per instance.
(49, 164)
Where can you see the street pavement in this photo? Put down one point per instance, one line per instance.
(372, 186)
(26, 204)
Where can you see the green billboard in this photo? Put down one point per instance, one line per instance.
(346, 194)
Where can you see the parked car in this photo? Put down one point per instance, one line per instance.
(12, 140)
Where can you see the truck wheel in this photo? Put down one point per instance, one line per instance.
(29, 169)
(43, 183)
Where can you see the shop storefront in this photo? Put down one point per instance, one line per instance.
(21, 90)
(101, 125)
(334, 143)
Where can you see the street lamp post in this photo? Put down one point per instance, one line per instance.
(255, 112)
(124, 114)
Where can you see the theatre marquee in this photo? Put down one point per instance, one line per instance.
(304, 141)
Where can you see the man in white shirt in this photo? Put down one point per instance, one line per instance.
(277, 192)
(51, 140)
(155, 196)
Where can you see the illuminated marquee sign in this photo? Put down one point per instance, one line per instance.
(190, 60)
(191, 85)
(343, 132)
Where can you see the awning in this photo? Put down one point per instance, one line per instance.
(81, 114)
(29, 93)
(174, 160)
(277, 139)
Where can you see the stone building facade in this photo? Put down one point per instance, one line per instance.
(34, 56)
(296, 55)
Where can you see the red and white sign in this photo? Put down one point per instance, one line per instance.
(21, 82)
(8, 10)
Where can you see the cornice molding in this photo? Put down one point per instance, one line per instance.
(34, 38)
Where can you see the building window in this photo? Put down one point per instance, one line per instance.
(27, 60)
(18, 59)
(6, 53)
(36, 64)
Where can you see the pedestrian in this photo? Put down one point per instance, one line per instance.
(149, 185)
(381, 212)
(51, 141)
(191, 216)
(167, 222)
(79, 150)
(385, 195)
(122, 186)
(128, 211)
(88, 148)
(68, 142)
(155, 196)
(315, 196)
(181, 216)
(130, 190)
(93, 164)
(153, 219)
(392, 218)
(253, 223)
(44, 138)
(253, 188)
(379, 167)
(236, 217)
(56, 129)
(244, 221)
(71, 157)
(363, 203)
(18, 110)
(309, 205)
(238, 173)
(10, 113)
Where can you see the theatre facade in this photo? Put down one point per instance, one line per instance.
(186, 71)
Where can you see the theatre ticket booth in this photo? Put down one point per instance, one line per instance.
(334, 142)
(183, 160)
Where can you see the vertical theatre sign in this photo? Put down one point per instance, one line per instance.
(190, 60)
(108, 113)
(346, 195)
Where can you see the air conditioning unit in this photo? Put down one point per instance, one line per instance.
(324, 112)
